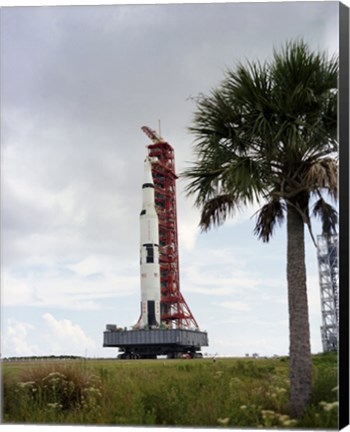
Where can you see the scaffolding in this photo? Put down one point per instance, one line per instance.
(175, 312)
(327, 253)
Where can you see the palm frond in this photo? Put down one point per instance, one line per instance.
(331, 168)
(205, 181)
(247, 177)
(328, 216)
(269, 215)
(323, 174)
(306, 90)
(216, 210)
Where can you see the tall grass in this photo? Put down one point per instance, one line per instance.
(52, 393)
(228, 393)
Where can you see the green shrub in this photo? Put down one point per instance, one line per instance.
(52, 393)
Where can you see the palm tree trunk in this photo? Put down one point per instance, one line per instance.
(299, 350)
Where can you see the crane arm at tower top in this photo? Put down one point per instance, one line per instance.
(152, 134)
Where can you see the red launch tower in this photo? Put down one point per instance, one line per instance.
(174, 310)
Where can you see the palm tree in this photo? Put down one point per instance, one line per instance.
(267, 135)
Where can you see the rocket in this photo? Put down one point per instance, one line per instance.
(149, 253)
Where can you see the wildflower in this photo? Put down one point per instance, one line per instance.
(55, 374)
(93, 378)
(54, 405)
(243, 407)
(26, 384)
(290, 422)
(335, 389)
(235, 382)
(330, 406)
(93, 390)
(223, 421)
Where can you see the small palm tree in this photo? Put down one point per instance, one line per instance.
(267, 134)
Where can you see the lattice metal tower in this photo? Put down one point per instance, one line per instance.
(327, 252)
(174, 310)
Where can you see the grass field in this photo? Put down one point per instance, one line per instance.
(228, 393)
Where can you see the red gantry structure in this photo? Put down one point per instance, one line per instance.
(174, 310)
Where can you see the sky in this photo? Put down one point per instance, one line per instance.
(78, 83)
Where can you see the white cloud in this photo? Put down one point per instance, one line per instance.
(56, 288)
(188, 232)
(50, 336)
(244, 214)
(16, 339)
(223, 271)
(236, 305)
(314, 295)
(211, 291)
(64, 337)
(16, 290)
(89, 265)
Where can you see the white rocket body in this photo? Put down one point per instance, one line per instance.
(149, 254)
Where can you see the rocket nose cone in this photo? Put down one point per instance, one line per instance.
(147, 172)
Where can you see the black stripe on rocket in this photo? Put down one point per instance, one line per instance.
(150, 252)
(151, 313)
